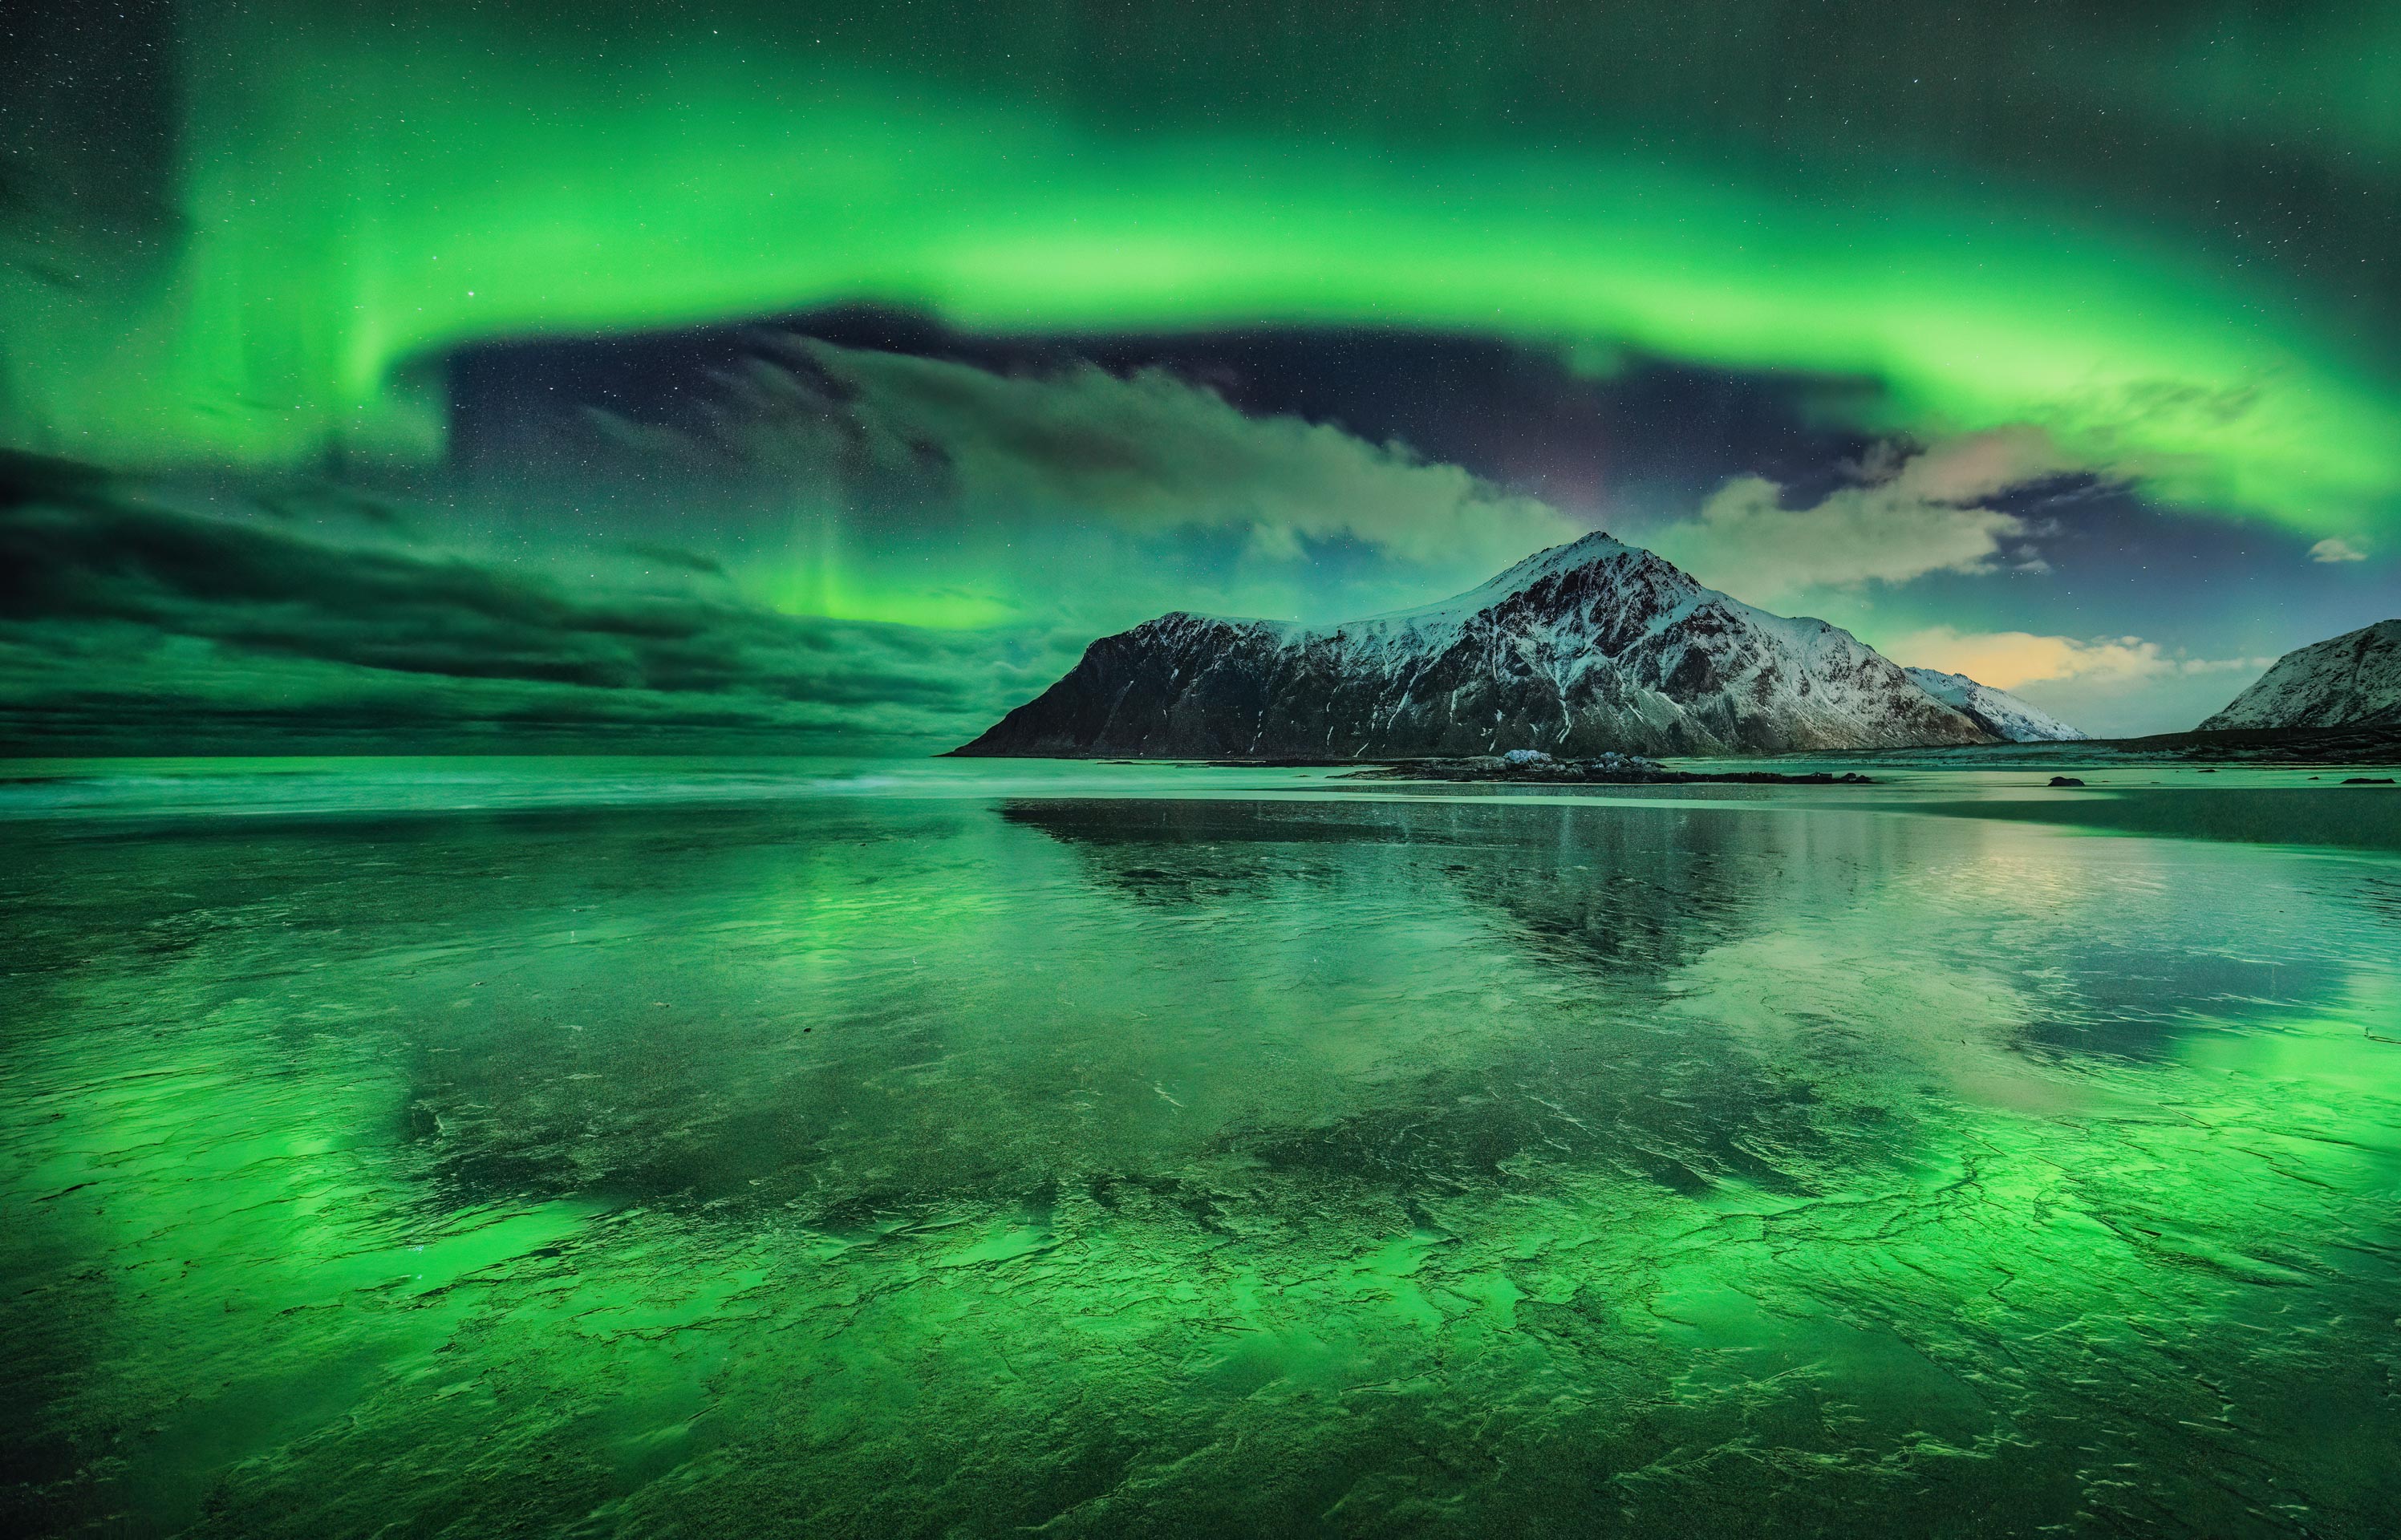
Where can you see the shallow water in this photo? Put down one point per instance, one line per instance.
(845, 1149)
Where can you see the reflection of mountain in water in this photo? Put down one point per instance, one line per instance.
(1620, 891)
(862, 1008)
(1618, 902)
(1611, 900)
(679, 1070)
(1172, 853)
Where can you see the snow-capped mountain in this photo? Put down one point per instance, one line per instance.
(2350, 680)
(1578, 650)
(1996, 711)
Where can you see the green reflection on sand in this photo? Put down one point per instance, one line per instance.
(902, 1164)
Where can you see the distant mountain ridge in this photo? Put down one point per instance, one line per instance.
(1998, 712)
(2350, 680)
(1579, 650)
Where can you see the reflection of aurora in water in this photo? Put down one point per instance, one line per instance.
(879, 1165)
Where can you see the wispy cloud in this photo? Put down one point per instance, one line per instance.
(1147, 453)
(1070, 494)
(2336, 549)
(1150, 450)
(1908, 513)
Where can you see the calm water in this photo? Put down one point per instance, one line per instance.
(848, 1149)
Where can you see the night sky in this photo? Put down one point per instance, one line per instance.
(825, 378)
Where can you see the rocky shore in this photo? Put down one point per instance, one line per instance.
(1533, 766)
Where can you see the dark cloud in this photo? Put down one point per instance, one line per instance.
(1044, 490)
(1545, 420)
(122, 616)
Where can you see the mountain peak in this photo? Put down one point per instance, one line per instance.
(1584, 648)
(1596, 549)
(1599, 545)
(1590, 550)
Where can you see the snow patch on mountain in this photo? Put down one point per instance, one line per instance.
(1998, 711)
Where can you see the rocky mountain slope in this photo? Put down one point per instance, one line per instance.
(1996, 711)
(1580, 650)
(2350, 680)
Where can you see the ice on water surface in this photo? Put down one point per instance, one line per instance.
(890, 1162)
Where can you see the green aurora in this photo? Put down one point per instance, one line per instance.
(347, 195)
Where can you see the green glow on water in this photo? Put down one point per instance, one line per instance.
(900, 1163)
